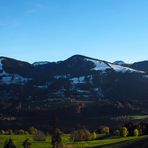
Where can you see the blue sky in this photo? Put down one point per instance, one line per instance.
(51, 30)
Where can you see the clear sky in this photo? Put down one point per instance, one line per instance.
(51, 30)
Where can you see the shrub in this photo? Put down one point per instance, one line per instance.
(105, 130)
(26, 132)
(16, 131)
(93, 135)
(21, 132)
(74, 136)
(2, 132)
(117, 133)
(40, 136)
(10, 132)
(33, 131)
(81, 135)
(124, 132)
(7, 132)
(136, 132)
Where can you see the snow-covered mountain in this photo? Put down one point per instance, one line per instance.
(103, 66)
(10, 78)
(78, 77)
(79, 88)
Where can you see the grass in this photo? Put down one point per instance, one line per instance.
(18, 140)
(113, 142)
(107, 143)
(139, 116)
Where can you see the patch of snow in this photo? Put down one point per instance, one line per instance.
(124, 69)
(40, 63)
(41, 86)
(58, 93)
(3, 73)
(99, 92)
(83, 91)
(1, 65)
(76, 80)
(99, 65)
(7, 78)
(90, 78)
(103, 66)
(62, 76)
(12, 79)
(145, 76)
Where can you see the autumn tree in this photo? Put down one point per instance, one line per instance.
(124, 132)
(93, 135)
(33, 130)
(105, 130)
(136, 132)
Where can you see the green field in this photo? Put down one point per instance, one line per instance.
(113, 142)
(139, 116)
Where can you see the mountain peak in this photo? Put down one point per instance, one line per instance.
(80, 57)
(77, 56)
(119, 62)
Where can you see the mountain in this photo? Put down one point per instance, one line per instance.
(122, 63)
(143, 65)
(78, 77)
(80, 89)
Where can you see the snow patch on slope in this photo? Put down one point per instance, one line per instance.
(13, 79)
(1, 65)
(145, 76)
(83, 91)
(99, 92)
(103, 66)
(123, 69)
(76, 80)
(99, 65)
(62, 76)
(6, 78)
(40, 63)
(41, 86)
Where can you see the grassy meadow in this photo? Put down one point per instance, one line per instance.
(112, 142)
(138, 117)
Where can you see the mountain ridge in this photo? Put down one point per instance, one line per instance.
(78, 77)
(80, 89)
